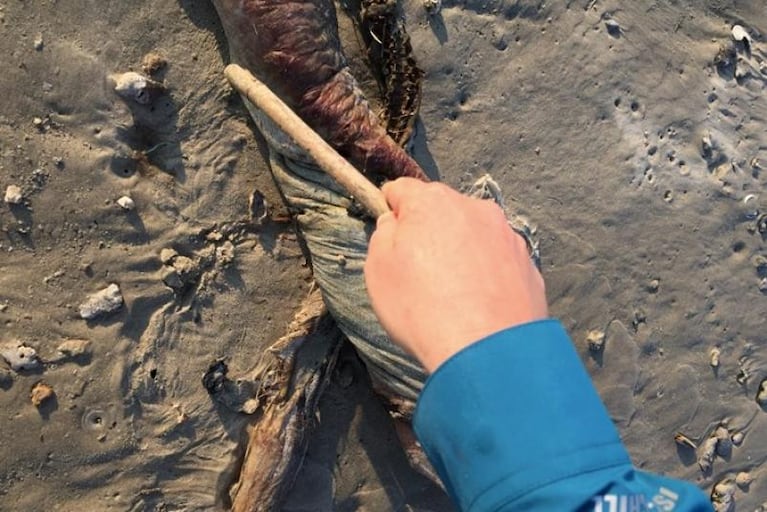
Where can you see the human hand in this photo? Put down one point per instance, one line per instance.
(445, 270)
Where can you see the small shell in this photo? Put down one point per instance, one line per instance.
(167, 255)
(761, 224)
(737, 438)
(723, 496)
(13, 195)
(751, 206)
(38, 42)
(595, 340)
(742, 377)
(258, 208)
(126, 203)
(740, 34)
(40, 393)
(683, 440)
(761, 395)
(137, 87)
(432, 6)
(713, 357)
(743, 479)
(101, 303)
(707, 454)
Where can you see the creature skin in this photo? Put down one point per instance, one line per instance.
(293, 47)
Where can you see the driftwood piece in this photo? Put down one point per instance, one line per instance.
(323, 154)
(292, 374)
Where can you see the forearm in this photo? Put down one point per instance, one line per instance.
(513, 422)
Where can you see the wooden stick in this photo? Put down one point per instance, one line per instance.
(324, 155)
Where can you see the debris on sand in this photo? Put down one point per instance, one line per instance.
(613, 28)
(596, 340)
(713, 357)
(38, 42)
(126, 203)
(152, 63)
(707, 454)
(13, 195)
(136, 87)
(20, 357)
(178, 271)
(740, 35)
(761, 395)
(258, 208)
(682, 440)
(432, 6)
(40, 393)
(743, 479)
(74, 348)
(101, 303)
(723, 496)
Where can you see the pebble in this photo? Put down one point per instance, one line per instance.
(38, 42)
(713, 357)
(595, 340)
(737, 438)
(761, 224)
(20, 357)
(137, 87)
(101, 303)
(40, 393)
(225, 253)
(761, 395)
(13, 194)
(723, 496)
(743, 479)
(126, 203)
(74, 348)
(432, 6)
(167, 255)
(152, 63)
(171, 278)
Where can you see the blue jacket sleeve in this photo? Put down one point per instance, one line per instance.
(513, 422)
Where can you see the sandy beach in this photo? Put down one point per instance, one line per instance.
(631, 134)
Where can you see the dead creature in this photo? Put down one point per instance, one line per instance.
(304, 65)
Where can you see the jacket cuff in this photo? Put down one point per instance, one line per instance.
(514, 412)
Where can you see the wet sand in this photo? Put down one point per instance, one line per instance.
(620, 129)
